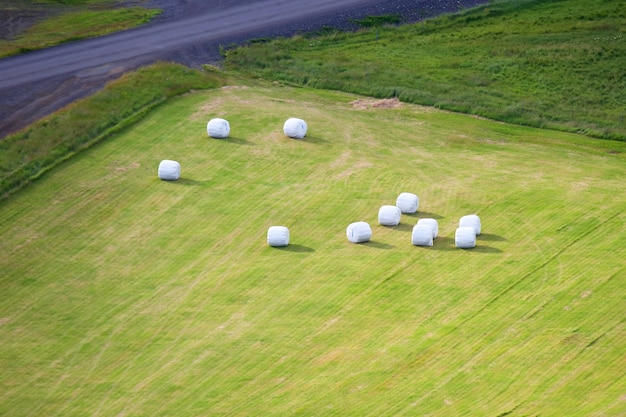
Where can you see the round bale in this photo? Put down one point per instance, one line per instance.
(295, 128)
(169, 170)
(465, 237)
(389, 215)
(422, 235)
(408, 202)
(432, 223)
(278, 236)
(471, 220)
(359, 232)
(218, 128)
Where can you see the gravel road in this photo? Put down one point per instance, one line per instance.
(190, 32)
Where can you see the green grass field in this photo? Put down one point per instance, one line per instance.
(126, 295)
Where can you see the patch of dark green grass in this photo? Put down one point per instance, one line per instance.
(375, 21)
(556, 65)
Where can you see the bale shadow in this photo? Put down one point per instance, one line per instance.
(188, 182)
(423, 215)
(402, 227)
(235, 141)
(443, 243)
(485, 249)
(490, 238)
(313, 139)
(446, 244)
(295, 248)
(377, 245)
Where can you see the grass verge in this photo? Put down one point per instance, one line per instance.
(55, 23)
(550, 64)
(26, 155)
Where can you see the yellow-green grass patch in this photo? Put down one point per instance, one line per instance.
(125, 294)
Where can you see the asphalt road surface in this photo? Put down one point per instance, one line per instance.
(36, 84)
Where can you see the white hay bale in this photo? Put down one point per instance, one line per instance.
(432, 223)
(218, 128)
(278, 236)
(471, 220)
(359, 232)
(407, 202)
(295, 128)
(169, 170)
(389, 215)
(465, 237)
(422, 235)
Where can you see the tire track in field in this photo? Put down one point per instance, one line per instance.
(442, 383)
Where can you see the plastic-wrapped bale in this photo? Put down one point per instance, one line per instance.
(422, 235)
(169, 170)
(389, 215)
(471, 220)
(278, 236)
(407, 202)
(465, 237)
(359, 232)
(295, 128)
(218, 128)
(432, 223)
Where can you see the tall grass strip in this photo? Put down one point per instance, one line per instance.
(549, 64)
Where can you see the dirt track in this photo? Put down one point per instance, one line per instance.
(189, 31)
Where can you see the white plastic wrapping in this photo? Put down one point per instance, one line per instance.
(295, 128)
(407, 202)
(218, 128)
(465, 237)
(359, 232)
(278, 236)
(422, 235)
(169, 170)
(432, 223)
(389, 215)
(471, 220)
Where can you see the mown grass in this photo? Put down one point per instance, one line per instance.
(126, 295)
(73, 20)
(550, 64)
(24, 156)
